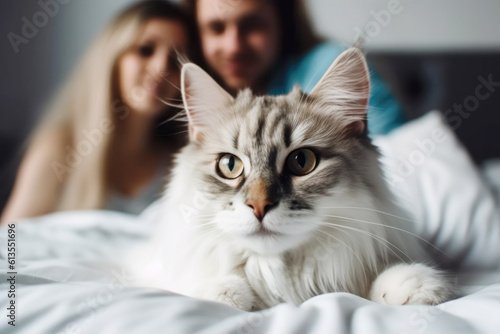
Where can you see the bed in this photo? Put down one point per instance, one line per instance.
(68, 278)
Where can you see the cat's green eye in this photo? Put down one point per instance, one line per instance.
(230, 166)
(301, 162)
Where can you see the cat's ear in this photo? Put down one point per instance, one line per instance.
(203, 98)
(345, 89)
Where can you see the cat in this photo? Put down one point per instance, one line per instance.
(279, 199)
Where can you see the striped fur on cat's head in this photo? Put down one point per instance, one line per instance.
(271, 167)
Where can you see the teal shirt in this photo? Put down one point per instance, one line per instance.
(384, 112)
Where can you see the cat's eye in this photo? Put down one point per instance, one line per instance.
(302, 161)
(230, 166)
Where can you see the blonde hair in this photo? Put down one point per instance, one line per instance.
(85, 111)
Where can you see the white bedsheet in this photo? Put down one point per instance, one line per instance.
(61, 288)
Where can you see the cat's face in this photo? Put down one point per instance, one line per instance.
(270, 166)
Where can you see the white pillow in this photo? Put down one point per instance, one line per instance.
(436, 181)
(490, 170)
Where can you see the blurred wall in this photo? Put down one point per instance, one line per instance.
(411, 25)
(42, 42)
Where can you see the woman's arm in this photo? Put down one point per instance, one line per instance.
(37, 187)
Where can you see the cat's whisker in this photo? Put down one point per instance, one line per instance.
(170, 82)
(220, 236)
(208, 215)
(205, 229)
(372, 234)
(200, 227)
(384, 242)
(352, 237)
(204, 220)
(205, 217)
(178, 106)
(164, 77)
(212, 215)
(303, 97)
(315, 238)
(310, 81)
(318, 239)
(205, 223)
(348, 247)
(173, 99)
(174, 134)
(369, 209)
(392, 227)
(175, 117)
(209, 233)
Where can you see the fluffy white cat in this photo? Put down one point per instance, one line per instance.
(279, 199)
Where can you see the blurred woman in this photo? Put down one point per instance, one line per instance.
(101, 145)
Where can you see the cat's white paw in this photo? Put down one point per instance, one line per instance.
(416, 283)
(231, 290)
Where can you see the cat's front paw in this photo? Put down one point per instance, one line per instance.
(416, 283)
(233, 291)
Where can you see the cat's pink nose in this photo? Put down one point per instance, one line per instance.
(260, 207)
